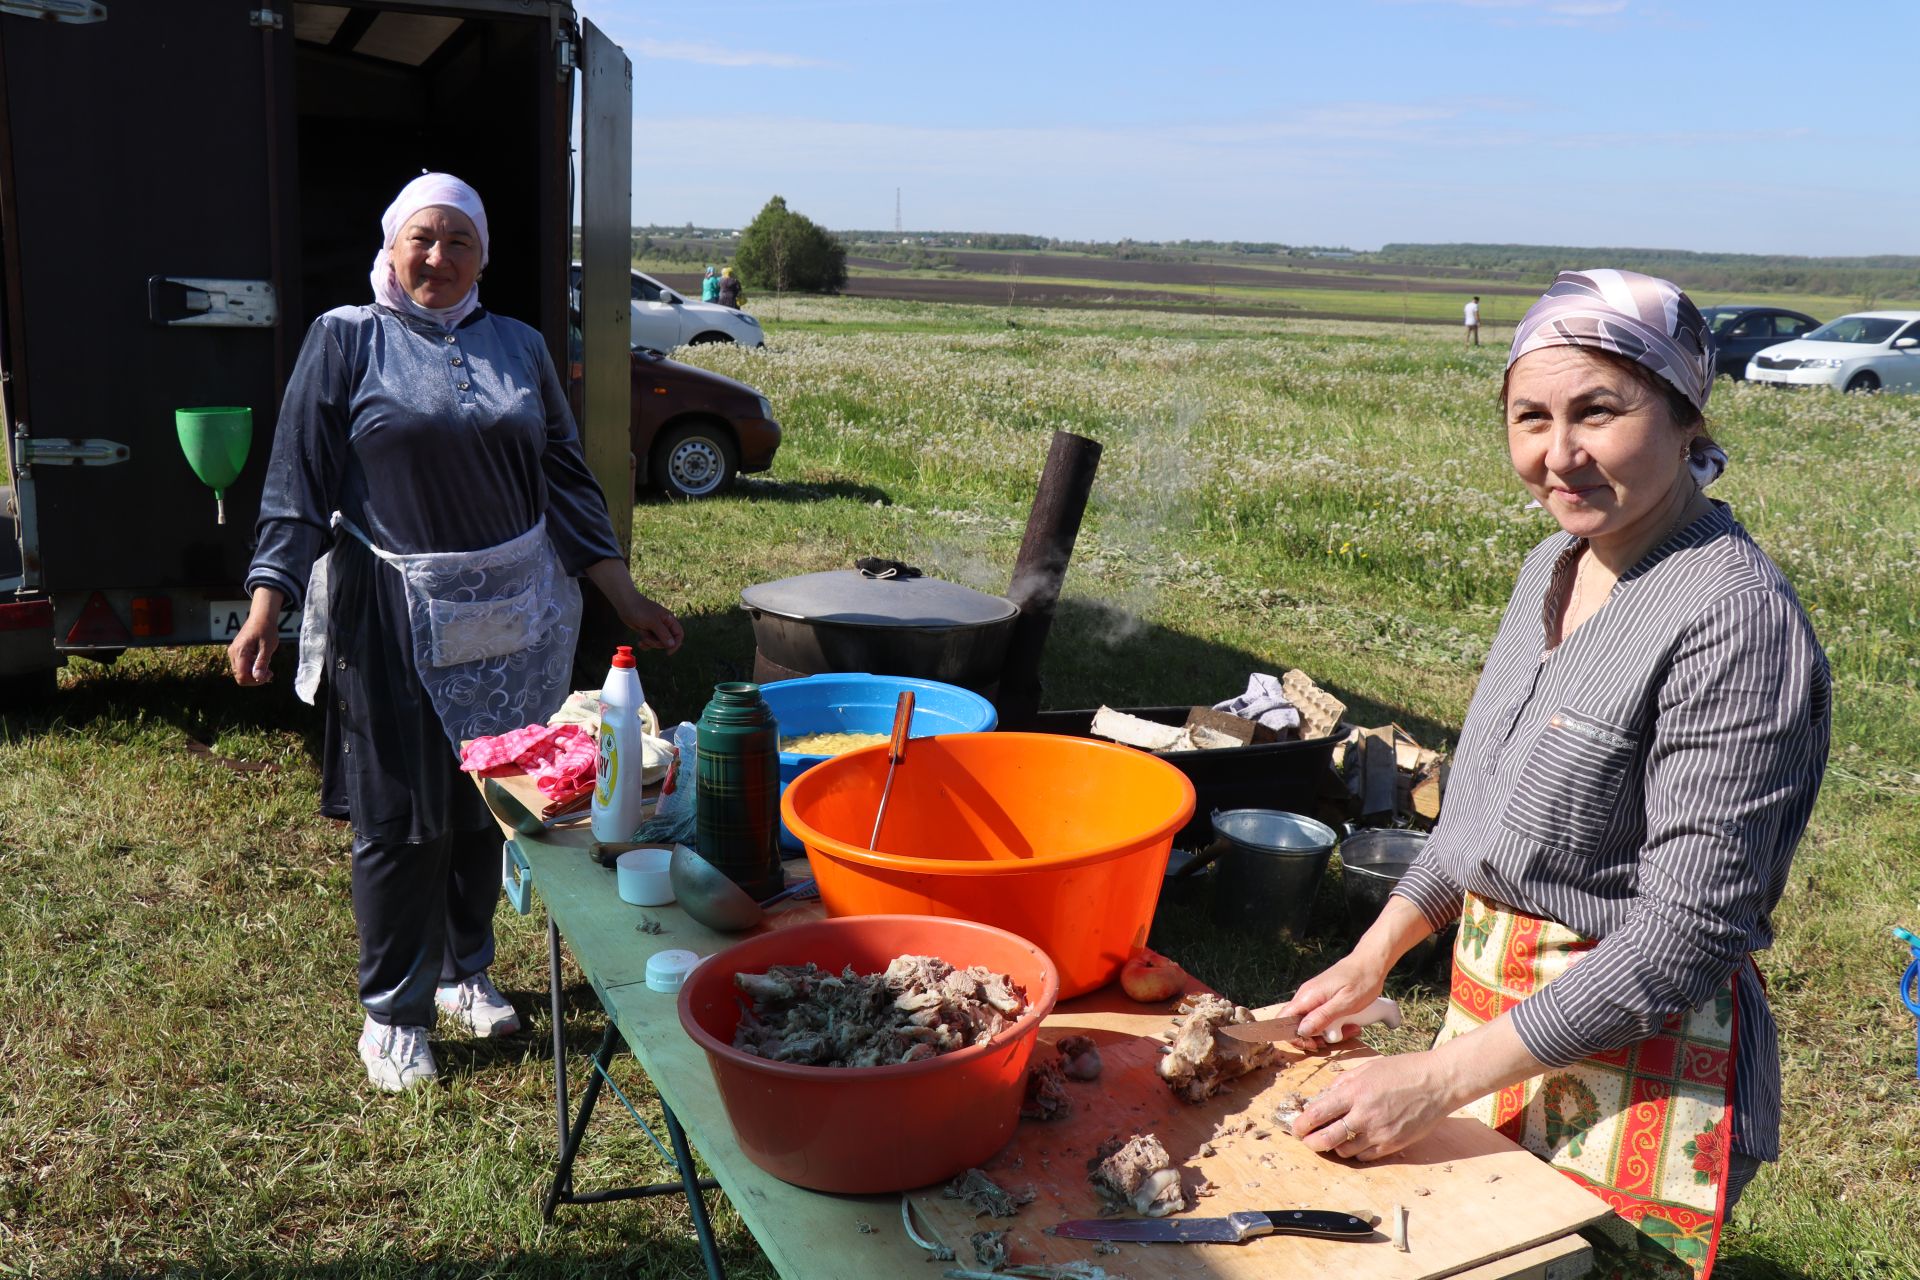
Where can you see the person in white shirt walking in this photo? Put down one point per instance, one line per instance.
(1473, 321)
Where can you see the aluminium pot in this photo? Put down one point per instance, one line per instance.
(844, 620)
(1372, 860)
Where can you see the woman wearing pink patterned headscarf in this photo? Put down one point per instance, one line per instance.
(427, 505)
(1636, 768)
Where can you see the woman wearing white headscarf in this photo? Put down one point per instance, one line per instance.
(1640, 758)
(427, 503)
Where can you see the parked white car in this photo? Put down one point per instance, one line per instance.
(663, 319)
(1866, 351)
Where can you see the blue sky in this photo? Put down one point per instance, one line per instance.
(1755, 127)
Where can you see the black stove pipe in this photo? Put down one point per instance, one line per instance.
(1053, 525)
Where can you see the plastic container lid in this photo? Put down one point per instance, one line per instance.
(623, 656)
(668, 970)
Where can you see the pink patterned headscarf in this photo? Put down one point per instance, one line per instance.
(1646, 319)
(426, 190)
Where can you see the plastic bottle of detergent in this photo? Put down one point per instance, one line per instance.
(618, 799)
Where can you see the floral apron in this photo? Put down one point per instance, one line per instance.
(492, 630)
(1646, 1127)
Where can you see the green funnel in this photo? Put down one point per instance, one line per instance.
(215, 441)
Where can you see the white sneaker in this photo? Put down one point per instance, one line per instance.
(397, 1058)
(476, 1004)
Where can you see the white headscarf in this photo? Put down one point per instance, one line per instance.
(425, 190)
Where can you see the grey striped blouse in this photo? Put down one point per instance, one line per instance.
(1645, 785)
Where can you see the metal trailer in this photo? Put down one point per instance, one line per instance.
(184, 186)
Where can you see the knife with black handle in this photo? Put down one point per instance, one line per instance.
(1235, 1228)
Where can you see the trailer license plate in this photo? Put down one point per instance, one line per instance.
(228, 616)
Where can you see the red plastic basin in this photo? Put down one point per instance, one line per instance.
(1060, 840)
(866, 1130)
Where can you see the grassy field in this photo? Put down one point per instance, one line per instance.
(178, 1013)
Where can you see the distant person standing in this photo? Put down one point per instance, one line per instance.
(1473, 321)
(710, 285)
(729, 293)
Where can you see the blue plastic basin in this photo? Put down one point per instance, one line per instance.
(847, 703)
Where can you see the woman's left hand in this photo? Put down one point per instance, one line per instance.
(653, 624)
(1378, 1106)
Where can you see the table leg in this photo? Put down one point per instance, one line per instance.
(573, 1130)
(562, 1188)
(696, 1204)
(559, 1033)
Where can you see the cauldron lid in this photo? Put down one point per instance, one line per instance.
(850, 598)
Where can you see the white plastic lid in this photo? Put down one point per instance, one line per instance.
(667, 970)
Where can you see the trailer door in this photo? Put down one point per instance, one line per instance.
(606, 252)
(138, 171)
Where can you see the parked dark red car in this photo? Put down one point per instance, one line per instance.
(693, 431)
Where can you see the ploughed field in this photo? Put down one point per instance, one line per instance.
(178, 1005)
(1150, 272)
(1320, 290)
(1213, 284)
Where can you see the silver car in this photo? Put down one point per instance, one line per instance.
(662, 319)
(1866, 351)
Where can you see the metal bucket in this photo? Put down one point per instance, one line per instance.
(1371, 864)
(1270, 869)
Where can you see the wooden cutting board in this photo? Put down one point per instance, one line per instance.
(1472, 1196)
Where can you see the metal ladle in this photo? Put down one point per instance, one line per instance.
(705, 893)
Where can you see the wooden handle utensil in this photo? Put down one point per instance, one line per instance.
(896, 752)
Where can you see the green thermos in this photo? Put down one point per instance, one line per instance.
(737, 786)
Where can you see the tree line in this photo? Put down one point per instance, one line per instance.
(1883, 276)
(780, 251)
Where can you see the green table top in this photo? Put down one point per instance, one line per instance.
(806, 1234)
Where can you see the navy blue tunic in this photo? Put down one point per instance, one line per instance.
(429, 440)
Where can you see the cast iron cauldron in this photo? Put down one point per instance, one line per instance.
(844, 620)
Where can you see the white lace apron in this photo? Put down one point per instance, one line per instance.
(493, 630)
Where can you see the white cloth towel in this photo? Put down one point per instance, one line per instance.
(1263, 703)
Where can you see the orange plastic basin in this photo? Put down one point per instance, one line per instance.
(1060, 840)
(866, 1130)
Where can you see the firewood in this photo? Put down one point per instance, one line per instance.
(1380, 779)
(1206, 739)
(1430, 789)
(1224, 723)
(1406, 752)
(1349, 757)
(1135, 732)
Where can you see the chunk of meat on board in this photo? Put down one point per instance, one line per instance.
(1199, 1060)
